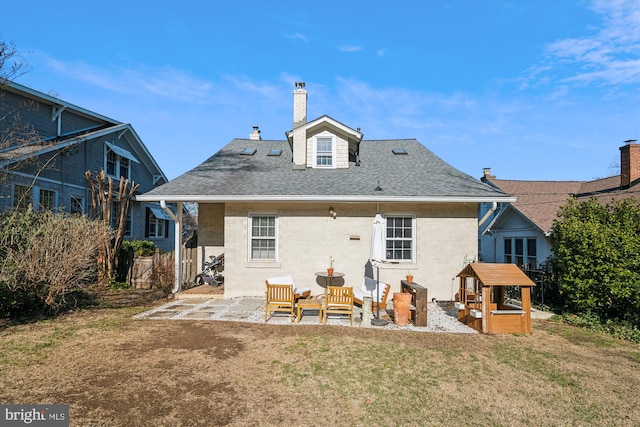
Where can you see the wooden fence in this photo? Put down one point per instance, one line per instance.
(158, 271)
(189, 264)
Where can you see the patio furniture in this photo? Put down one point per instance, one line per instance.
(368, 289)
(419, 301)
(309, 304)
(323, 279)
(288, 280)
(338, 300)
(279, 298)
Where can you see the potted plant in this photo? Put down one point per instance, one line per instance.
(330, 269)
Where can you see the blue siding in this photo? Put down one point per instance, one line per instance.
(65, 169)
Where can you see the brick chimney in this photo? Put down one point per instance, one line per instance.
(255, 134)
(486, 175)
(299, 122)
(629, 163)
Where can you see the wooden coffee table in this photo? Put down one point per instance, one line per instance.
(310, 304)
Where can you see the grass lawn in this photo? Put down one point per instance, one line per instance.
(115, 371)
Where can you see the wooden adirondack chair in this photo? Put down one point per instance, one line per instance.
(279, 298)
(338, 300)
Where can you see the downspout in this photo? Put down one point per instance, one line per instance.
(486, 216)
(177, 248)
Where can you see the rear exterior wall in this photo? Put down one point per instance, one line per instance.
(307, 237)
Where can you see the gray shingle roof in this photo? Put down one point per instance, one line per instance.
(231, 175)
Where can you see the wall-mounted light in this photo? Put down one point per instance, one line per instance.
(333, 213)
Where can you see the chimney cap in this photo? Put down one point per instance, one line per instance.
(300, 85)
(630, 141)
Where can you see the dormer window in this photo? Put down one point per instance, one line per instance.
(324, 152)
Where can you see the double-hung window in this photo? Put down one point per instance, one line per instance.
(263, 237)
(157, 223)
(47, 200)
(22, 197)
(324, 152)
(400, 239)
(115, 212)
(77, 205)
(117, 162)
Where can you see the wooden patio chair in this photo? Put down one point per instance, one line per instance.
(368, 290)
(279, 298)
(288, 280)
(338, 300)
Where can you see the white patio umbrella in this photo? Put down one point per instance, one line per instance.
(377, 255)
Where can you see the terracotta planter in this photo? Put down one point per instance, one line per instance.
(401, 308)
(409, 278)
(330, 271)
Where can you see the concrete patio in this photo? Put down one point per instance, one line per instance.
(441, 317)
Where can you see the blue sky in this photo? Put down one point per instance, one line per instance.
(535, 89)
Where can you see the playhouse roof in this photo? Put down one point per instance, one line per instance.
(496, 274)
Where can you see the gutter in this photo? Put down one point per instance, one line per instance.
(163, 205)
(332, 198)
(486, 216)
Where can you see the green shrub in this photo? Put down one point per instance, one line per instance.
(140, 247)
(597, 255)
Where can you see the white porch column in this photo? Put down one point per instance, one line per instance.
(177, 248)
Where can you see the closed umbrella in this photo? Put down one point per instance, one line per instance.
(377, 255)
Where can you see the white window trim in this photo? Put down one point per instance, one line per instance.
(250, 237)
(333, 151)
(525, 249)
(158, 221)
(414, 233)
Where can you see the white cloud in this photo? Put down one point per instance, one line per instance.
(167, 82)
(350, 48)
(297, 36)
(610, 55)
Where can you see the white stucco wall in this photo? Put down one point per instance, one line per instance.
(446, 236)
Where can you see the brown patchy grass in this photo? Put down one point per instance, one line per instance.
(116, 371)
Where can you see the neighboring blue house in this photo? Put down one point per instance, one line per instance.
(519, 232)
(50, 174)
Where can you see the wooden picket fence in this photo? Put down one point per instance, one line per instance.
(189, 264)
(157, 271)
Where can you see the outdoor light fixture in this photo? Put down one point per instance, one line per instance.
(333, 213)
